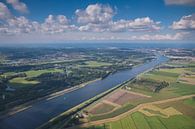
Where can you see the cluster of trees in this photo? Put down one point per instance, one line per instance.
(161, 86)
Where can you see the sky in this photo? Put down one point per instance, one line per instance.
(61, 21)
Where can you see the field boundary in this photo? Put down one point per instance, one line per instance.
(116, 118)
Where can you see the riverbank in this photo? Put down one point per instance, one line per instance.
(27, 105)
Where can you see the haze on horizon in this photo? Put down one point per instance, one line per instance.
(46, 21)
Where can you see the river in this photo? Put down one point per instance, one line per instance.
(45, 110)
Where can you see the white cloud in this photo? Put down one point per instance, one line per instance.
(180, 2)
(93, 23)
(185, 23)
(20, 25)
(138, 24)
(95, 14)
(51, 25)
(95, 18)
(57, 24)
(19, 6)
(99, 18)
(4, 12)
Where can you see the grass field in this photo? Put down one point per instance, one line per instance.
(94, 64)
(138, 120)
(31, 73)
(116, 112)
(175, 88)
(187, 106)
(161, 75)
(190, 102)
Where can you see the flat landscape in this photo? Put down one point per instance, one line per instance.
(156, 99)
(97, 64)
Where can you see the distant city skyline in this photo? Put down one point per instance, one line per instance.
(49, 21)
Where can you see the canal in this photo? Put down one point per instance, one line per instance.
(45, 110)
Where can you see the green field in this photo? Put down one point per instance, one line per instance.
(174, 89)
(190, 102)
(187, 106)
(102, 108)
(30, 74)
(94, 64)
(161, 75)
(138, 120)
(116, 112)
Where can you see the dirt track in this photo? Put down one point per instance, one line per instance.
(130, 111)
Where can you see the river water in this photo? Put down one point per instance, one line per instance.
(45, 110)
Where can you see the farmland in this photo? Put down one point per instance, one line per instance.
(154, 116)
(122, 97)
(120, 101)
(102, 108)
(138, 120)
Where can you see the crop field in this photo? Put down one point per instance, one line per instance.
(151, 110)
(138, 120)
(189, 79)
(122, 97)
(187, 106)
(162, 75)
(176, 86)
(101, 108)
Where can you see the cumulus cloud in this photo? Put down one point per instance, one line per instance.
(95, 18)
(99, 18)
(185, 23)
(18, 25)
(4, 12)
(56, 24)
(19, 6)
(138, 24)
(95, 14)
(89, 23)
(51, 25)
(180, 2)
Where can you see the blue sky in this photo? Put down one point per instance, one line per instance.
(42, 21)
